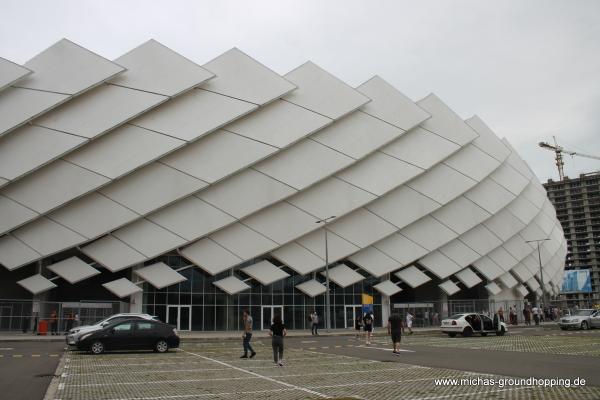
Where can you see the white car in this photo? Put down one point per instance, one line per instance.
(469, 323)
(74, 334)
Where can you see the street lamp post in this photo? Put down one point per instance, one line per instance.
(324, 221)
(538, 241)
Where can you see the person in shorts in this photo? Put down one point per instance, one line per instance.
(358, 324)
(368, 327)
(409, 322)
(395, 331)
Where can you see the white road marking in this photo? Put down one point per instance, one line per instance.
(308, 341)
(384, 349)
(6, 348)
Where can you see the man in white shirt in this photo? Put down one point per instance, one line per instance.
(409, 322)
(536, 315)
(314, 318)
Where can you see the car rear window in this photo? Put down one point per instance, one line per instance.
(456, 316)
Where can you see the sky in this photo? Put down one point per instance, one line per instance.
(530, 69)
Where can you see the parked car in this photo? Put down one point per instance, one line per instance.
(469, 323)
(582, 319)
(74, 334)
(130, 334)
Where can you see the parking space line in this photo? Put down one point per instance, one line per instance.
(183, 396)
(259, 375)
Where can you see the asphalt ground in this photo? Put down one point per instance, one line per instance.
(334, 367)
(26, 368)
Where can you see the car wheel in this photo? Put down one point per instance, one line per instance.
(467, 332)
(97, 347)
(584, 326)
(501, 332)
(483, 333)
(452, 334)
(161, 346)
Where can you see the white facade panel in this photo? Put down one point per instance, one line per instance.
(429, 233)
(387, 288)
(446, 122)
(148, 238)
(312, 288)
(11, 72)
(449, 287)
(521, 271)
(122, 287)
(47, 237)
(493, 288)
(472, 162)
(503, 258)
(488, 268)
(487, 140)
(343, 276)
(442, 183)
(401, 249)
(504, 224)
(413, 276)
(508, 280)
(362, 227)
(243, 241)
(460, 215)
(480, 239)
(459, 252)
(13, 214)
(490, 196)
(468, 277)
(414, 205)
(268, 222)
(374, 261)
(18, 106)
(523, 290)
(160, 275)
(36, 284)
(73, 270)
(507, 177)
(265, 272)
(14, 253)
(112, 253)
(439, 264)
(338, 247)
(298, 258)
(231, 285)
(210, 256)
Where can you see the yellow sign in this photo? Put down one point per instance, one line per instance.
(366, 299)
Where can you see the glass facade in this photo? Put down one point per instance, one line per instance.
(197, 304)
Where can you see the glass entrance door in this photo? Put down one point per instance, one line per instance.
(268, 312)
(180, 316)
(350, 315)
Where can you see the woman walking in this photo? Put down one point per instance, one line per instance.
(277, 332)
(358, 323)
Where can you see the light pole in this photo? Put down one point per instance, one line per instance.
(324, 221)
(538, 241)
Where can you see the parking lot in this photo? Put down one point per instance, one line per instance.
(323, 367)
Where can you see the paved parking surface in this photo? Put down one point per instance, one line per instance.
(214, 371)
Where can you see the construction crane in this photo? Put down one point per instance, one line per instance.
(558, 151)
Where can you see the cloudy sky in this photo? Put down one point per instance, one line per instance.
(530, 69)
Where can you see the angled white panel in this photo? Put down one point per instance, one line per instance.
(11, 72)
(387, 288)
(523, 209)
(493, 288)
(141, 193)
(242, 77)
(31, 146)
(388, 104)
(194, 114)
(14, 253)
(468, 277)
(503, 258)
(523, 290)
(303, 164)
(459, 252)
(374, 261)
(99, 110)
(53, 185)
(517, 247)
(343, 276)
(531, 263)
(414, 205)
(362, 227)
(47, 237)
(421, 148)
(160, 275)
(338, 247)
(269, 222)
(449, 287)
(113, 253)
(298, 258)
(460, 215)
(322, 92)
(210, 256)
(442, 183)
(413, 276)
(508, 280)
(472, 162)
(517, 163)
(123, 150)
(533, 284)
(401, 249)
(217, 155)
(73, 270)
(312, 288)
(243, 241)
(487, 140)
(536, 194)
(357, 134)
(439, 264)
(507, 177)
(153, 67)
(445, 122)
(68, 68)
(279, 124)
(428, 233)
(504, 224)
(36, 284)
(13, 214)
(545, 223)
(379, 173)
(259, 190)
(490, 196)
(231, 285)
(331, 197)
(191, 218)
(148, 238)
(522, 272)
(480, 239)
(533, 232)
(122, 287)
(92, 215)
(265, 272)
(488, 268)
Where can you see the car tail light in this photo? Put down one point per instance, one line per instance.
(453, 322)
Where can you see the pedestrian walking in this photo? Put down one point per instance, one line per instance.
(358, 325)
(277, 332)
(368, 320)
(409, 322)
(426, 318)
(526, 315)
(536, 314)
(395, 331)
(70, 320)
(53, 323)
(436, 319)
(247, 335)
(76, 320)
(314, 319)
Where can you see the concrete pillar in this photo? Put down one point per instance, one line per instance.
(136, 299)
(385, 304)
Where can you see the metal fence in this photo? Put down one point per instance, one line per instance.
(26, 315)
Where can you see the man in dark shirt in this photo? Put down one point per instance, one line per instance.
(368, 326)
(395, 330)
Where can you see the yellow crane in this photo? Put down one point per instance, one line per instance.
(558, 151)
